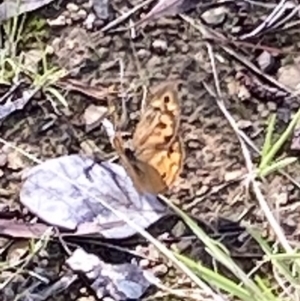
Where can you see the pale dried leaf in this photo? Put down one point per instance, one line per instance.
(68, 192)
(120, 281)
(13, 8)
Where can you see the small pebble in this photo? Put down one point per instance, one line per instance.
(72, 7)
(3, 159)
(49, 50)
(194, 144)
(272, 106)
(260, 107)
(264, 113)
(160, 270)
(56, 43)
(15, 161)
(244, 124)
(59, 21)
(215, 16)
(144, 263)
(233, 175)
(160, 45)
(103, 53)
(143, 53)
(89, 21)
(69, 21)
(82, 14)
(265, 61)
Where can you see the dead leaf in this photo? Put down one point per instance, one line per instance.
(68, 192)
(11, 106)
(125, 281)
(13, 8)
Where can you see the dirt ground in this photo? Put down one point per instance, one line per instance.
(168, 49)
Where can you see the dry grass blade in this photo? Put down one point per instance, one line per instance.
(125, 16)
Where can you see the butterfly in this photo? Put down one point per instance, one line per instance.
(157, 156)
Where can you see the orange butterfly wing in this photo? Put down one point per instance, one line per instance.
(156, 141)
(157, 158)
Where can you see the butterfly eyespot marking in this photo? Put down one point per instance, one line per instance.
(166, 99)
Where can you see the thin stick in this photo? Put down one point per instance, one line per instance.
(125, 16)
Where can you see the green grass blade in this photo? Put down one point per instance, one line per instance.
(268, 140)
(276, 166)
(269, 157)
(216, 279)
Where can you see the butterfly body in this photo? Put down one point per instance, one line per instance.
(156, 159)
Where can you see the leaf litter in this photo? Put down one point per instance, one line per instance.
(12, 8)
(64, 203)
(55, 191)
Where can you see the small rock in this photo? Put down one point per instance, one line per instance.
(72, 7)
(89, 21)
(69, 21)
(93, 116)
(264, 113)
(15, 160)
(56, 44)
(154, 61)
(244, 124)
(160, 270)
(265, 61)
(260, 107)
(215, 16)
(59, 21)
(194, 144)
(3, 159)
(233, 175)
(289, 76)
(103, 53)
(144, 263)
(143, 53)
(49, 50)
(244, 93)
(160, 45)
(272, 106)
(82, 14)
